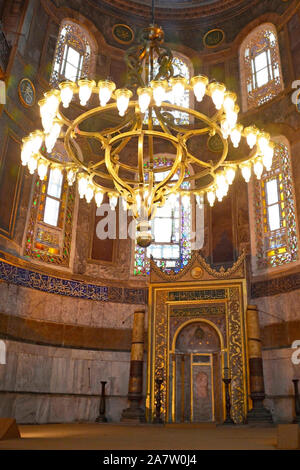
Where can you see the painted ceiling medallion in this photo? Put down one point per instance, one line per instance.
(213, 38)
(26, 92)
(122, 33)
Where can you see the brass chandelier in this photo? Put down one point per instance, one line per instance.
(143, 126)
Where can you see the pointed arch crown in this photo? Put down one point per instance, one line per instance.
(75, 53)
(260, 66)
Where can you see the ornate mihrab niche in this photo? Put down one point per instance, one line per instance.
(196, 331)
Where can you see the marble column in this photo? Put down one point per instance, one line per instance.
(257, 388)
(135, 386)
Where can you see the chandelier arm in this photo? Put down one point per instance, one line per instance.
(254, 153)
(173, 170)
(116, 179)
(197, 161)
(141, 158)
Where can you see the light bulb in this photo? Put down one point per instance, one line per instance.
(71, 176)
(258, 168)
(66, 92)
(144, 95)
(159, 90)
(229, 101)
(89, 193)
(199, 84)
(178, 86)
(42, 168)
(185, 200)
(113, 201)
(98, 198)
(217, 92)
(236, 135)
(267, 157)
(230, 174)
(246, 172)
(85, 90)
(251, 135)
(123, 95)
(32, 164)
(83, 182)
(49, 142)
(211, 197)
(106, 88)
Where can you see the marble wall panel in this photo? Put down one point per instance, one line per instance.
(41, 384)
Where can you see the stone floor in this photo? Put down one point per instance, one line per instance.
(146, 437)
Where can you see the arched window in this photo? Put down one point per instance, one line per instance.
(181, 66)
(260, 67)
(49, 230)
(274, 212)
(171, 232)
(74, 54)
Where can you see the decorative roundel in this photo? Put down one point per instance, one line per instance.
(122, 33)
(197, 272)
(26, 91)
(213, 38)
(215, 144)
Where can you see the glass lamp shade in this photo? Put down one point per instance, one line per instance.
(199, 84)
(144, 95)
(258, 168)
(106, 88)
(66, 92)
(52, 101)
(98, 198)
(83, 182)
(159, 90)
(178, 85)
(89, 193)
(217, 93)
(230, 174)
(246, 172)
(236, 135)
(263, 140)
(268, 156)
(85, 90)
(229, 101)
(32, 164)
(71, 176)
(251, 135)
(211, 197)
(42, 169)
(123, 96)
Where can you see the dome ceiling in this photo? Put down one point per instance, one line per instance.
(180, 9)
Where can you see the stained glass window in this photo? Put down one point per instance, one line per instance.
(182, 67)
(275, 209)
(261, 77)
(49, 231)
(171, 231)
(72, 59)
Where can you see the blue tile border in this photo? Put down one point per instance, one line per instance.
(55, 285)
